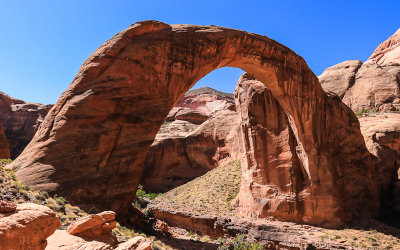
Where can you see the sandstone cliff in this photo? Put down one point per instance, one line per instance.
(374, 85)
(20, 121)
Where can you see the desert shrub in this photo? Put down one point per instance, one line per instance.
(240, 243)
(60, 200)
(5, 161)
(140, 193)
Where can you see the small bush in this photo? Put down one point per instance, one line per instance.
(60, 200)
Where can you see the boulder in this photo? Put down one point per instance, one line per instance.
(95, 226)
(136, 243)
(4, 147)
(105, 122)
(7, 206)
(61, 240)
(20, 121)
(28, 227)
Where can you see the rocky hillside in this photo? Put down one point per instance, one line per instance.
(373, 85)
(20, 121)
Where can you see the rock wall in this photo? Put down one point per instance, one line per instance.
(20, 121)
(374, 85)
(4, 147)
(92, 144)
(274, 179)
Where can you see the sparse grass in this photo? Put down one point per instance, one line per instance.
(123, 234)
(364, 112)
(241, 243)
(210, 194)
(359, 238)
(12, 189)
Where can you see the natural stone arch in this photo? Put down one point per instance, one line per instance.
(92, 143)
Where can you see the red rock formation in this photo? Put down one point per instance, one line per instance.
(174, 160)
(137, 243)
(7, 206)
(374, 85)
(92, 144)
(382, 137)
(4, 148)
(95, 226)
(61, 240)
(340, 77)
(275, 182)
(28, 227)
(20, 121)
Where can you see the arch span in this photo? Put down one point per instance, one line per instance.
(92, 143)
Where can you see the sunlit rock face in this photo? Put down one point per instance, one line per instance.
(92, 144)
(374, 85)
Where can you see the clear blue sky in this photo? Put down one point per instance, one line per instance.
(44, 42)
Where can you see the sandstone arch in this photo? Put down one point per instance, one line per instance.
(93, 141)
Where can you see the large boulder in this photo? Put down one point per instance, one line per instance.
(374, 85)
(27, 227)
(61, 240)
(95, 226)
(92, 144)
(4, 147)
(20, 121)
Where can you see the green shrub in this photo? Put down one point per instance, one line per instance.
(60, 200)
(240, 243)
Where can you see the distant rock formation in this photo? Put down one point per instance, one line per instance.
(4, 147)
(374, 85)
(20, 121)
(193, 139)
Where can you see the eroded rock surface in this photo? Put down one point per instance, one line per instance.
(382, 137)
(183, 149)
(4, 147)
(95, 226)
(374, 85)
(92, 144)
(20, 121)
(27, 227)
(274, 179)
(61, 240)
